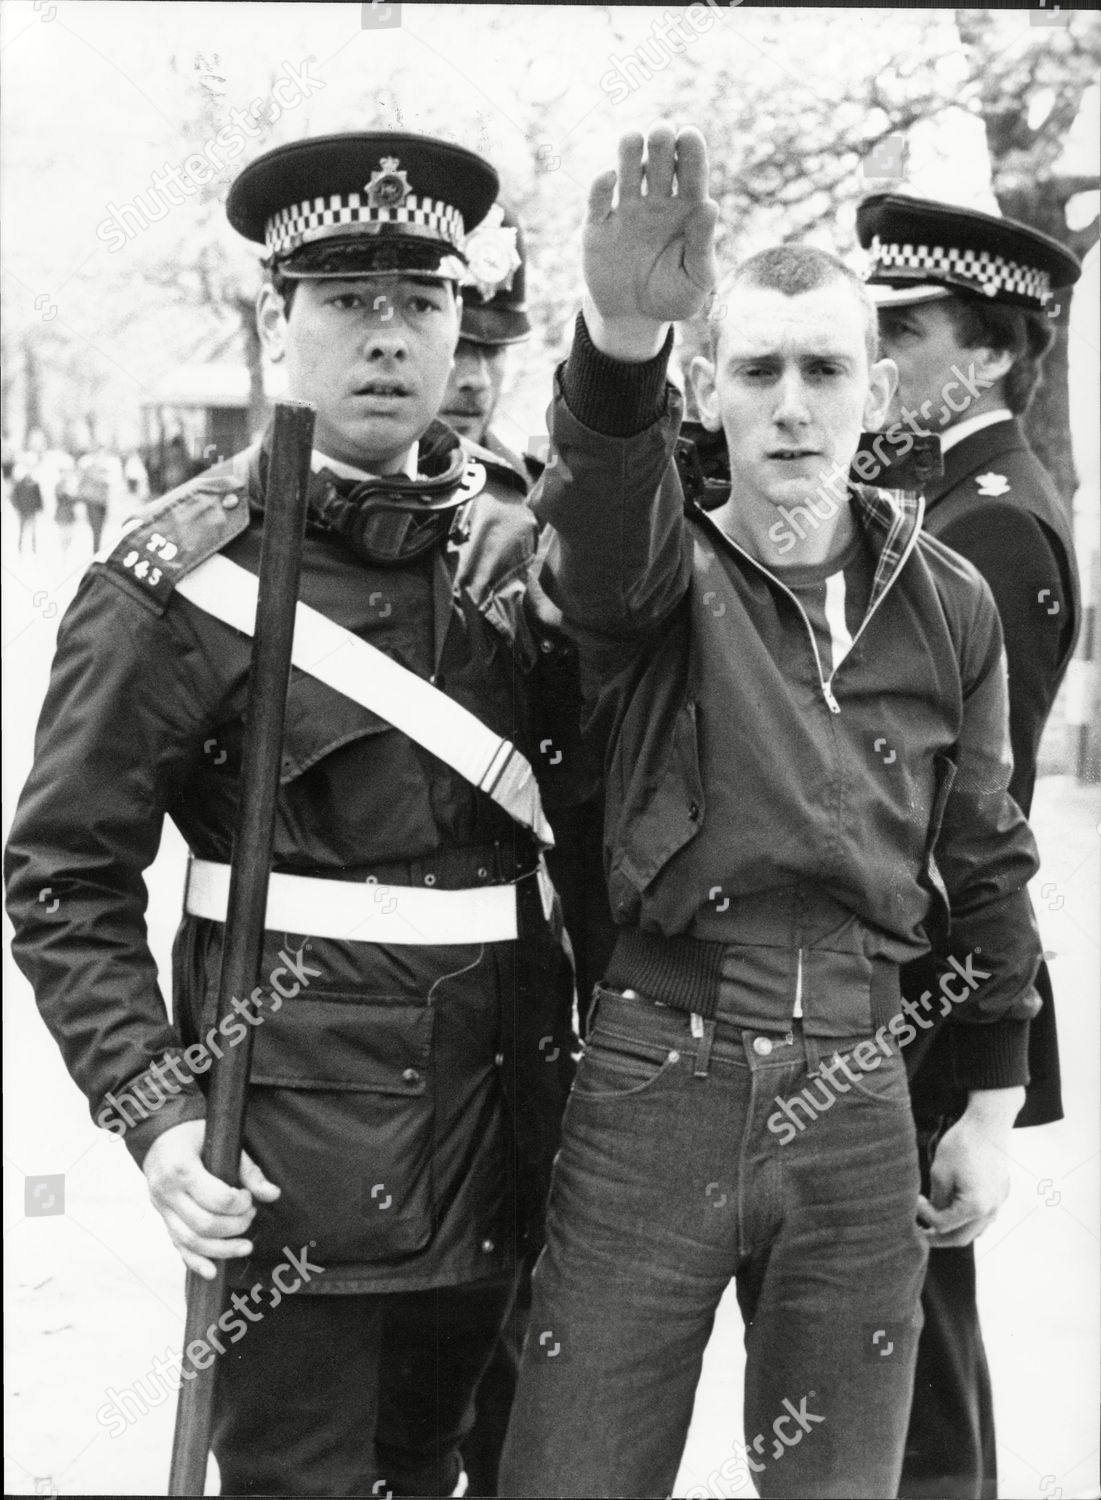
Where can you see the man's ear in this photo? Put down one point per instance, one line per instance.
(988, 366)
(702, 374)
(271, 322)
(882, 384)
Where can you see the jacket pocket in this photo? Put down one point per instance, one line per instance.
(341, 1117)
(662, 811)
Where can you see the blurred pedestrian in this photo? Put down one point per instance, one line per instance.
(26, 497)
(65, 493)
(137, 478)
(94, 489)
(177, 468)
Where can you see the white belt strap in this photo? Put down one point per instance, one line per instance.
(369, 677)
(363, 911)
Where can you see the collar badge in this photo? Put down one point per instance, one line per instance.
(992, 484)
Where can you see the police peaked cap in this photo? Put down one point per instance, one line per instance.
(495, 309)
(367, 202)
(924, 250)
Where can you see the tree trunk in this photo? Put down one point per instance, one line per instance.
(32, 389)
(259, 407)
(1042, 205)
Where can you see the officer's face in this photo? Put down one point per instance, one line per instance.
(373, 354)
(474, 388)
(922, 342)
(792, 388)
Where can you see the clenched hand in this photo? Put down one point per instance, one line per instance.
(206, 1219)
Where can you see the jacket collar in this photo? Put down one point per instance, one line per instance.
(893, 519)
(890, 518)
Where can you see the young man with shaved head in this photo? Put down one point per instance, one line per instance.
(800, 704)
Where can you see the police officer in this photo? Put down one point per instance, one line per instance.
(411, 984)
(964, 311)
(495, 317)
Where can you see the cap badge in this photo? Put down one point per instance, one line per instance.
(491, 254)
(388, 187)
(992, 484)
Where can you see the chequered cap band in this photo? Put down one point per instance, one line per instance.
(974, 270)
(318, 218)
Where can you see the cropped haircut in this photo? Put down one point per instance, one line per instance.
(792, 270)
(1026, 335)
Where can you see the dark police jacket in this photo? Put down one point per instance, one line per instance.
(997, 506)
(377, 1090)
(726, 765)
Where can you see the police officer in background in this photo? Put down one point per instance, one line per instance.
(963, 311)
(495, 316)
(407, 1085)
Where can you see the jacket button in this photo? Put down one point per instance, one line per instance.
(411, 1075)
(488, 1246)
(483, 873)
(230, 501)
(694, 811)
(762, 1046)
(546, 646)
(430, 879)
(499, 1060)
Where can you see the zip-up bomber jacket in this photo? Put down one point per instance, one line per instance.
(739, 775)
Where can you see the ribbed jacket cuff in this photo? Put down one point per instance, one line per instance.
(991, 1057)
(612, 396)
(190, 1105)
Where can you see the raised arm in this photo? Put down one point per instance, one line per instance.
(618, 563)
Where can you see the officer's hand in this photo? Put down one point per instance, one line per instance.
(969, 1179)
(205, 1217)
(649, 258)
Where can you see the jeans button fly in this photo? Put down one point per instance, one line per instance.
(762, 1046)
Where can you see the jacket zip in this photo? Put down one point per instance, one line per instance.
(826, 684)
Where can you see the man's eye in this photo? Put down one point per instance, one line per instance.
(346, 301)
(424, 305)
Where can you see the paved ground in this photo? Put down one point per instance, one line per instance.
(94, 1294)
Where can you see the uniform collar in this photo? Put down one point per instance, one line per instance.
(977, 449)
(953, 435)
(319, 460)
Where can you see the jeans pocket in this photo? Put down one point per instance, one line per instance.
(615, 1065)
(879, 1078)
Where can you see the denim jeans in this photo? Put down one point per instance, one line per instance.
(671, 1180)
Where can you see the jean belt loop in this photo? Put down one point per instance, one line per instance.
(704, 1032)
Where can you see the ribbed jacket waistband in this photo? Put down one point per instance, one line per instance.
(843, 991)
